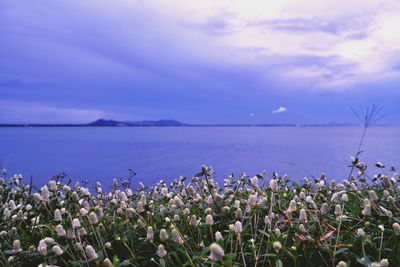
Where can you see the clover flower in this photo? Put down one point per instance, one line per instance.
(45, 193)
(57, 250)
(216, 252)
(17, 246)
(93, 218)
(107, 262)
(273, 184)
(384, 263)
(372, 196)
(176, 236)
(161, 252)
(83, 211)
(193, 221)
(303, 216)
(42, 247)
(360, 232)
(252, 201)
(57, 215)
(60, 230)
(367, 210)
(163, 235)
(52, 186)
(338, 211)
(76, 223)
(254, 181)
(396, 228)
(277, 246)
(238, 227)
(91, 253)
(209, 219)
(292, 205)
(218, 235)
(150, 233)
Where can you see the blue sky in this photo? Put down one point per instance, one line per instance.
(206, 61)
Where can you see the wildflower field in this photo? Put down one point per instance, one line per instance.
(247, 221)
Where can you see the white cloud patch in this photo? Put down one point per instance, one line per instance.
(279, 110)
(357, 42)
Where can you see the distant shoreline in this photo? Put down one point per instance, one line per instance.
(183, 125)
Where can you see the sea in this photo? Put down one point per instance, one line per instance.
(148, 154)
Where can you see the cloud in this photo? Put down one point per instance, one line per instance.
(159, 58)
(279, 110)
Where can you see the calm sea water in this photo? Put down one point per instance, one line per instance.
(166, 153)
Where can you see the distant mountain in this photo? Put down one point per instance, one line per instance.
(103, 122)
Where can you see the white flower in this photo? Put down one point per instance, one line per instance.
(277, 231)
(342, 264)
(396, 228)
(150, 233)
(384, 263)
(177, 237)
(57, 250)
(254, 181)
(303, 216)
(372, 196)
(140, 208)
(345, 198)
(218, 236)
(49, 240)
(45, 193)
(381, 227)
(367, 210)
(161, 252)
(107, 263)
(360, 232)
(11, 205)
(338, 211)
(60, 230)
(209, 220)
(238, 227)
(273, 184)
(17, 246)
(93, 218)
(52, 185)
(324, 209)
(83, 211)
(216, 252)
(252, 201)
(42, 247)
(186, 211)
(57, 215)
(193, 221)
(277, 246)
(91, 253)
(76, 223)
(163, 235)
(292, 205)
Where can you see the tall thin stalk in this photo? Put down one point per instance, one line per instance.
(367, 117)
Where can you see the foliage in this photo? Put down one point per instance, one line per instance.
(249, 221)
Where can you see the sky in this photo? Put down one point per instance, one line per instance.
(208, 61)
